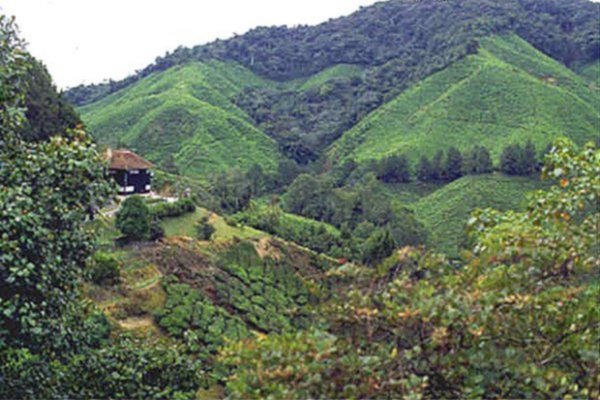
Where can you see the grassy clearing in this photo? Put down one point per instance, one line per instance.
(185, 225)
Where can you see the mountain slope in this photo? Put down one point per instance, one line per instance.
(185, 115)
(508, 92)
(391, 45)
(446, 211)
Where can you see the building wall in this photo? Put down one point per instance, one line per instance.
(134, 181)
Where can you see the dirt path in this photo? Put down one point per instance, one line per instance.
(264, 248)
(134, 323)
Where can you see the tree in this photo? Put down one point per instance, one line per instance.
(393, 169)
(233, 190)
(478, 161)
(46, 197)
(484, 161)
(529, 159)
(134, 219)
(454, 164)
(378, 247)
(47, 112)
(256, 177)
(204, 229)
(310, 196)
(424, 170)
(511, 160)
(287, 170)
(437, 170)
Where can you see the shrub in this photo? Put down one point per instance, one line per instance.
(204, 230)
(134, 219)
(105, 269)
(156, 230)
(171, 210)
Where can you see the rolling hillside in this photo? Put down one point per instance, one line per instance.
(446, 211)
(506, 93)
(185, 115)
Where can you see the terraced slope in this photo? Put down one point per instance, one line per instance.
(446, 211)
(507, 92)
(185, 115)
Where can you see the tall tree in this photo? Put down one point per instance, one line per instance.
(484, 161)
(47, 112)
(378, 247)
(511, 160)
(453, 168)
(437, 169)
(424, 170)
(393, 169)
(529, 159)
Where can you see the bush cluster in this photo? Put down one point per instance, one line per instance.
(171, 210)
(104, 268)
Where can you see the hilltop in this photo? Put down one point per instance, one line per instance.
(184, 117)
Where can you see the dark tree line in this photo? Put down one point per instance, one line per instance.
(519, 160)
(452, 164)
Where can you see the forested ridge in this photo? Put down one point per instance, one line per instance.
(565, 30)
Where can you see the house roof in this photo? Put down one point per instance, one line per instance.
(126, 160)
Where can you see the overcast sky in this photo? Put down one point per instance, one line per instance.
(87, 41)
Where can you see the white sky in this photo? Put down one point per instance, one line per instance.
(87, 41)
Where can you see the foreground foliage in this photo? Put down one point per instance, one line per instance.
(518, 320)
(52, 344)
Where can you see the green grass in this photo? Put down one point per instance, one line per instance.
(185, 225)
(226, 231)
(509, 92)
(186, 112)
(446, 211)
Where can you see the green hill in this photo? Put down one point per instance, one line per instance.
(508, 92)
(185, 115)
(446, 211)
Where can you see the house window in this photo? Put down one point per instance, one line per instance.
(134, 171)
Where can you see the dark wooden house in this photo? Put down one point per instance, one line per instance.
(131, 172)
